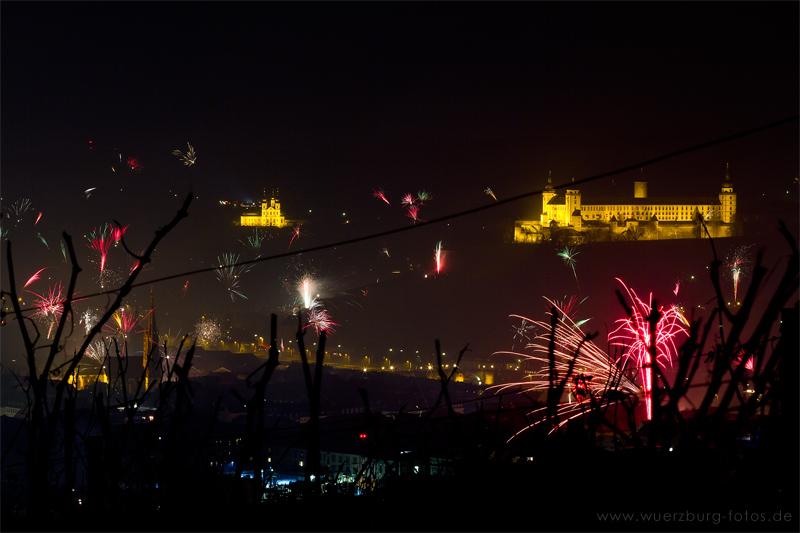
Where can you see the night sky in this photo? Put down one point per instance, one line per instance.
(328, 101)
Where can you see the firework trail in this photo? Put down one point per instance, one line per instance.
(229, 272)
(33, 278)
(185, 287)
(295, 234)
(385, 251)
(575, 356)
(568, 306)
(320, 320)
(38, 218)
(738, 265)
(43, 241)
(88, 192)
(489, 192)
(64, 251)
(568, 255)
(306, 287)
(677, 287)
(189, 157)
(379, 194)
(97, 351)
(438, 257)
(633, 335)
(100, 242)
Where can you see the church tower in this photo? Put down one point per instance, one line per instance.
(727, 199)
(150, 349)
(547, 195)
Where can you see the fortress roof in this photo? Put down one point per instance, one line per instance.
(656, 200)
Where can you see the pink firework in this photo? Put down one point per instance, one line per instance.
(117, 233)
(633, 335)
(33, 278)
(295, 234)
(38, 218)
(379, 194)
(438, 257)
(320, 320)
(749, 363)
(100, 242)
(50, 307)
(185, 287)
(123, 324)
(408, 200)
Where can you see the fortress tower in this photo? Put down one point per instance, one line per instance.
(727, 199)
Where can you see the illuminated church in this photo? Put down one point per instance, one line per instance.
(270, 214)
(569, 218)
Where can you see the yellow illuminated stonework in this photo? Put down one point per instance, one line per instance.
(568, 217)
(270, 214)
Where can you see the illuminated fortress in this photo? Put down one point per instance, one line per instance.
(568, 218)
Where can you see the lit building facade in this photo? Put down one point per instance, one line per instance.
(270, 215)
(635, 218)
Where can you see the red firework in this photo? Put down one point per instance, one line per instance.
(633, 335)
(379, 194)
(134, 164)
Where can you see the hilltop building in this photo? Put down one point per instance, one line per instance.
(270, 214)
(570, 218)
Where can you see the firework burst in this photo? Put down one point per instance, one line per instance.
(88, 319)
(575, 357)
(738, 266)
(49, 307)
(568, 255)
(18, 209)
(100, 242)
(207, 332)
(320, 320)
(97, 351)
(633, 336)
(295, 235)
(135, 165)
(123, 324)
(188, 158)
(413, 213)
(255, 241)
(229, 272)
